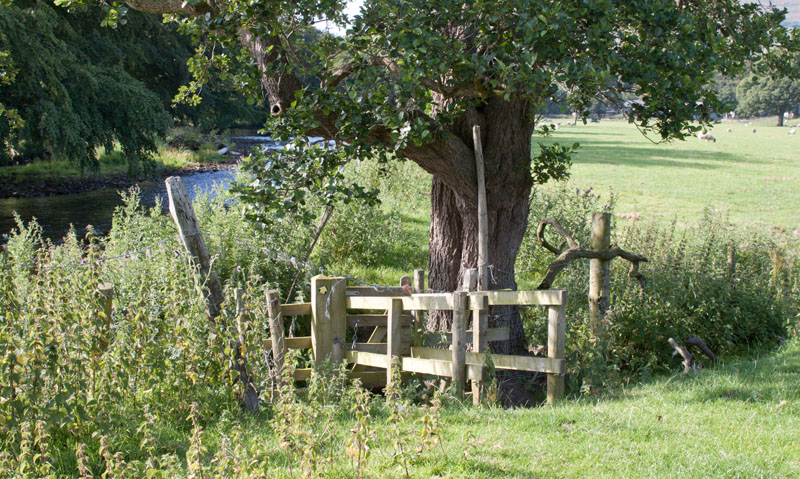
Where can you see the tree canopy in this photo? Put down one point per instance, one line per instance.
(412, 77)
(69, 86)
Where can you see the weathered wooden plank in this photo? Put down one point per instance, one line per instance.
(377, 348)
(376, 291)
(299, 342)
(426, 302)
(296, 309)
(492, 334)
(438, 367)
(364, 358)
(550, 297)
(501, 361)
(371, 320)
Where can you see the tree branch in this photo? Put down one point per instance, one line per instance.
(575, 252)
(703, 347)
(688, 359)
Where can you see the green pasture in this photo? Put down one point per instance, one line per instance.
(752, 177)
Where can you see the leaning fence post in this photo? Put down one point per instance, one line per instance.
(599, 284)
(276, 331)
(459, 331)
(328, 317)
(556, 340)
(393, 335)
(180, 207)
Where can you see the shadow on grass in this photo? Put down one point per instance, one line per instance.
(646, 157)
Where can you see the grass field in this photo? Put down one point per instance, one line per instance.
(740, 420)
(753, 177)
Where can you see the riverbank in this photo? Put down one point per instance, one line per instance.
(34, 187)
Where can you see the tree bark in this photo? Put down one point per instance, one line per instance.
(780, 116)
(454, 216)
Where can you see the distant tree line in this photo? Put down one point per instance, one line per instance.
(764, 93)
(68, 86)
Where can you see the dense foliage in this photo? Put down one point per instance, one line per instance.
(770, 94)
(688, 291)
(69, 86)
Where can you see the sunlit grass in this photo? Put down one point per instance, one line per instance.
(752, 177)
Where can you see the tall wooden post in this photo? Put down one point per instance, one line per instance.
(180, 207)
(459, 352)
(483, 215)
(418, 315)
(393, 340)
(328, 317)
(276, 331)
(731, 263)
(599, 283)
(556, 345)
(480, 339)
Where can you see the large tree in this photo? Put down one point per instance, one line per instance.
(412, 77)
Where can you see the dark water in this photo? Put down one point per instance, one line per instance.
(56, 213)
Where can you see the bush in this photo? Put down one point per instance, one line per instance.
(687, 292)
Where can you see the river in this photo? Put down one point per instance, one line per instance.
(56, 213)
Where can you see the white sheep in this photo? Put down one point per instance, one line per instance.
(706, 136)
(729, 130)
(792, 131)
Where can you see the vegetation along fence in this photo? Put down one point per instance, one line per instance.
(394, 315)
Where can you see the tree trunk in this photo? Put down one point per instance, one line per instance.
(454, 215)
(780, 116)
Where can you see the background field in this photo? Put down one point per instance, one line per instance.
(753, 177)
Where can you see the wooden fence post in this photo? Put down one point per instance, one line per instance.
(180, 207)
(599, 283)
(393, 340)
(556, 339)
(731, 263)
(419, 315)
(276, 331)
(106, 291)
(459, 331)
(480, 340)
(483, 215)
(328, 317)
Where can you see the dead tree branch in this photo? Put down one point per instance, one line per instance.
(688, 359)
(576, 252)
(701, 345)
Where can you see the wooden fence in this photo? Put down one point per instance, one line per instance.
(392, 314)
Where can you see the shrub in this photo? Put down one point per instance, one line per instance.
(687, 292)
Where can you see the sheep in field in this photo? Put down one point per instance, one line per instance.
(729, 130)
(792, 131)
(754, 130)
(706, 136)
